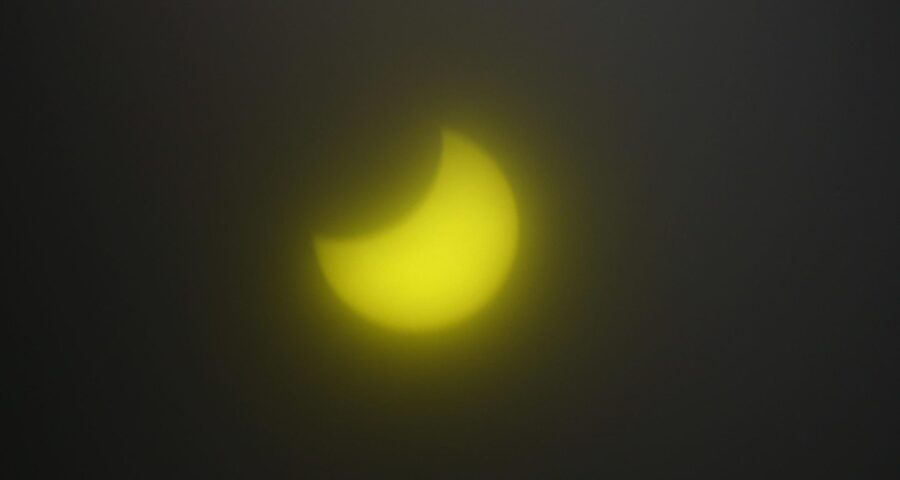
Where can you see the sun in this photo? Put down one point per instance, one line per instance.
(444, 261)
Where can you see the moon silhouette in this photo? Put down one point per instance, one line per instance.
(442, 262)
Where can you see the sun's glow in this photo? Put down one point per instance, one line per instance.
(441, 263)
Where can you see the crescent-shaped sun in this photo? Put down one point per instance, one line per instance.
(441, 263)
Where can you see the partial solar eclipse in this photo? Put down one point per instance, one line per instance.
(442, 262)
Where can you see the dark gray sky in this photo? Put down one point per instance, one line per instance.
(709, 242)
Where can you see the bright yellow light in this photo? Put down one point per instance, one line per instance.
(441, 263)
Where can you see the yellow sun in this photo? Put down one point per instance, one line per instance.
(441, 263)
